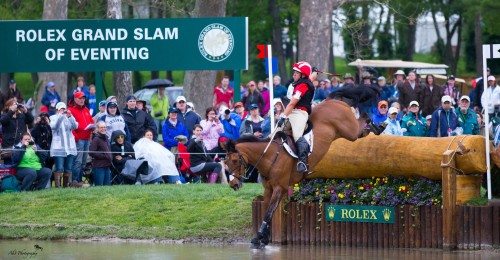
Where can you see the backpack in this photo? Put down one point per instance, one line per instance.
(9, 183)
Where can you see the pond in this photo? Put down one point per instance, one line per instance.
(29, 249)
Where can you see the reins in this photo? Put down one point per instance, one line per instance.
(248, 170)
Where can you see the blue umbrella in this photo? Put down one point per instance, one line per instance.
(157, 83)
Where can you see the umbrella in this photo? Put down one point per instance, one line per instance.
(156, 83)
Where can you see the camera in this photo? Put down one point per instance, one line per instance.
(31, 142)
(19, 106)
(227, 111)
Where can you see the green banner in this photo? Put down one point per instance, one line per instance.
(128, 44)
(359, 213)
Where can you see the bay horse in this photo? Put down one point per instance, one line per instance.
(331, 119)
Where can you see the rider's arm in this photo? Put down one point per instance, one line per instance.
(291, 106)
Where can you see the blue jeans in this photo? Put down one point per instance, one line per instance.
(33, 179)
(172, 179)
(82, 147)
(64, 164)
(101, 176)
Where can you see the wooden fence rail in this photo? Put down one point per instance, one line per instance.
(415, 227)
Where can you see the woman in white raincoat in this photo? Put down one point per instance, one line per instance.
(160, 160)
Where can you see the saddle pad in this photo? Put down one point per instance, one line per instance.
(309, 138)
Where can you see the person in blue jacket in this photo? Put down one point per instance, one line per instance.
(231, 123)
(173, 130)
(51, 98)
(444, 119)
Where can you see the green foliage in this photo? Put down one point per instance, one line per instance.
(489, 12)
(21, 10)
(152, 211)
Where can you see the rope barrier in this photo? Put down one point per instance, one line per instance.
(87, 151)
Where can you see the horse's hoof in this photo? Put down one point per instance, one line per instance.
(255, 243)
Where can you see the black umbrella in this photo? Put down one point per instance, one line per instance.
(156, 83)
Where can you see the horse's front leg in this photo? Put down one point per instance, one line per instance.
(262, 238)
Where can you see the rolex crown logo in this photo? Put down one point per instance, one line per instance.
(387, 214)
(331, 212)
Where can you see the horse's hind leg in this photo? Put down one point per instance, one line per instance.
(262, 238)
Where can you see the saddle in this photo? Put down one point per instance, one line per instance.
(287, 138)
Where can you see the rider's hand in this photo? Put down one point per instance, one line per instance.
(281, 121)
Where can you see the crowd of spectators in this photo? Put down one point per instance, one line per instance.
(59, 139)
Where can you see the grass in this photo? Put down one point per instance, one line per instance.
(197, 211)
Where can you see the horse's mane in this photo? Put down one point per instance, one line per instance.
(251, 138)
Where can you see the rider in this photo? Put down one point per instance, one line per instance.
(299, 109)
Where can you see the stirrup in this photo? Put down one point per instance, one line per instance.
(302, 167)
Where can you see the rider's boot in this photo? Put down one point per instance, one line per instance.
(302, 154)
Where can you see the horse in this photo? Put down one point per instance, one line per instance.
(331, 119)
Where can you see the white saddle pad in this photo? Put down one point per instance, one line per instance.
(309, 138)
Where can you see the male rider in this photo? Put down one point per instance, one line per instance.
(299, 109)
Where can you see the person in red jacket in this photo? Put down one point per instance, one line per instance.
(82, 135)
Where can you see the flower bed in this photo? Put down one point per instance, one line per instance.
(387, 191)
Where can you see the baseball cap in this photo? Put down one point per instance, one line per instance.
(50, 84)
(428, 117)
(451, 77)
(348, 76)
(400, 72)
(110, 104)
(12, 81)
(130, 97)
(253, 106)
(446, 98)
(381, 78)
(414, 103)
(491, 78)
(393, 110)
(465, 97)
(173, 110)
(79, 94)
(60, 105)
(180, 98)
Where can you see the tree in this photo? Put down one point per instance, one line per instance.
(198, 85)
(122, 80)
(314, 31)
(53, 10)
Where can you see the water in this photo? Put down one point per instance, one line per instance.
(16, 249)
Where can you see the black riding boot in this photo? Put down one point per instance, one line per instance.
(302, 153)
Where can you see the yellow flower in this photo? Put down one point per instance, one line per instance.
(348, 185)
(361, 188)
(402, 188)
(341, 196)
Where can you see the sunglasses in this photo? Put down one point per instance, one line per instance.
(180, 102)
(120, 137)
(383, 106)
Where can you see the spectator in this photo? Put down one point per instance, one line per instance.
(431, 95)
(137, 120)
(478, 91)
(111, 99)
(187, 116)
(80, 87)
(173, 131)
(102, 111)
(15, 119)
(27, 158)
(159, 107)
(279, 90)
(42, 135)
(413, 123)
(397, 83)
(451, 90)
(348, 80)
(142, 105)
(491, 96)
(85, 126)
(100, 151)
(386, 91)
(330, 86)
(467, 118)
(51, 98)
(410, 91)
(63, 146)
(428, 120)
(253, 123)
(252, 97)
(264, 92)
(369, 106)
(231, 123)
(160, 160)
(398, 107)
(212, 130)
(381, 115)
(320, 93)
(223, 94)
(13, 92)
(239, 109)
(122, 151)
(114, 121)
(444, 119)
(279, 109)
(92, 100)
(393, 127)
(201, 162)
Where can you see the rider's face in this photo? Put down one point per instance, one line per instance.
(296, 75)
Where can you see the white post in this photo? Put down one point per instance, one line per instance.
(486, 55)
(271, 87)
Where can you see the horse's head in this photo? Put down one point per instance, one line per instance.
(236, 165)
